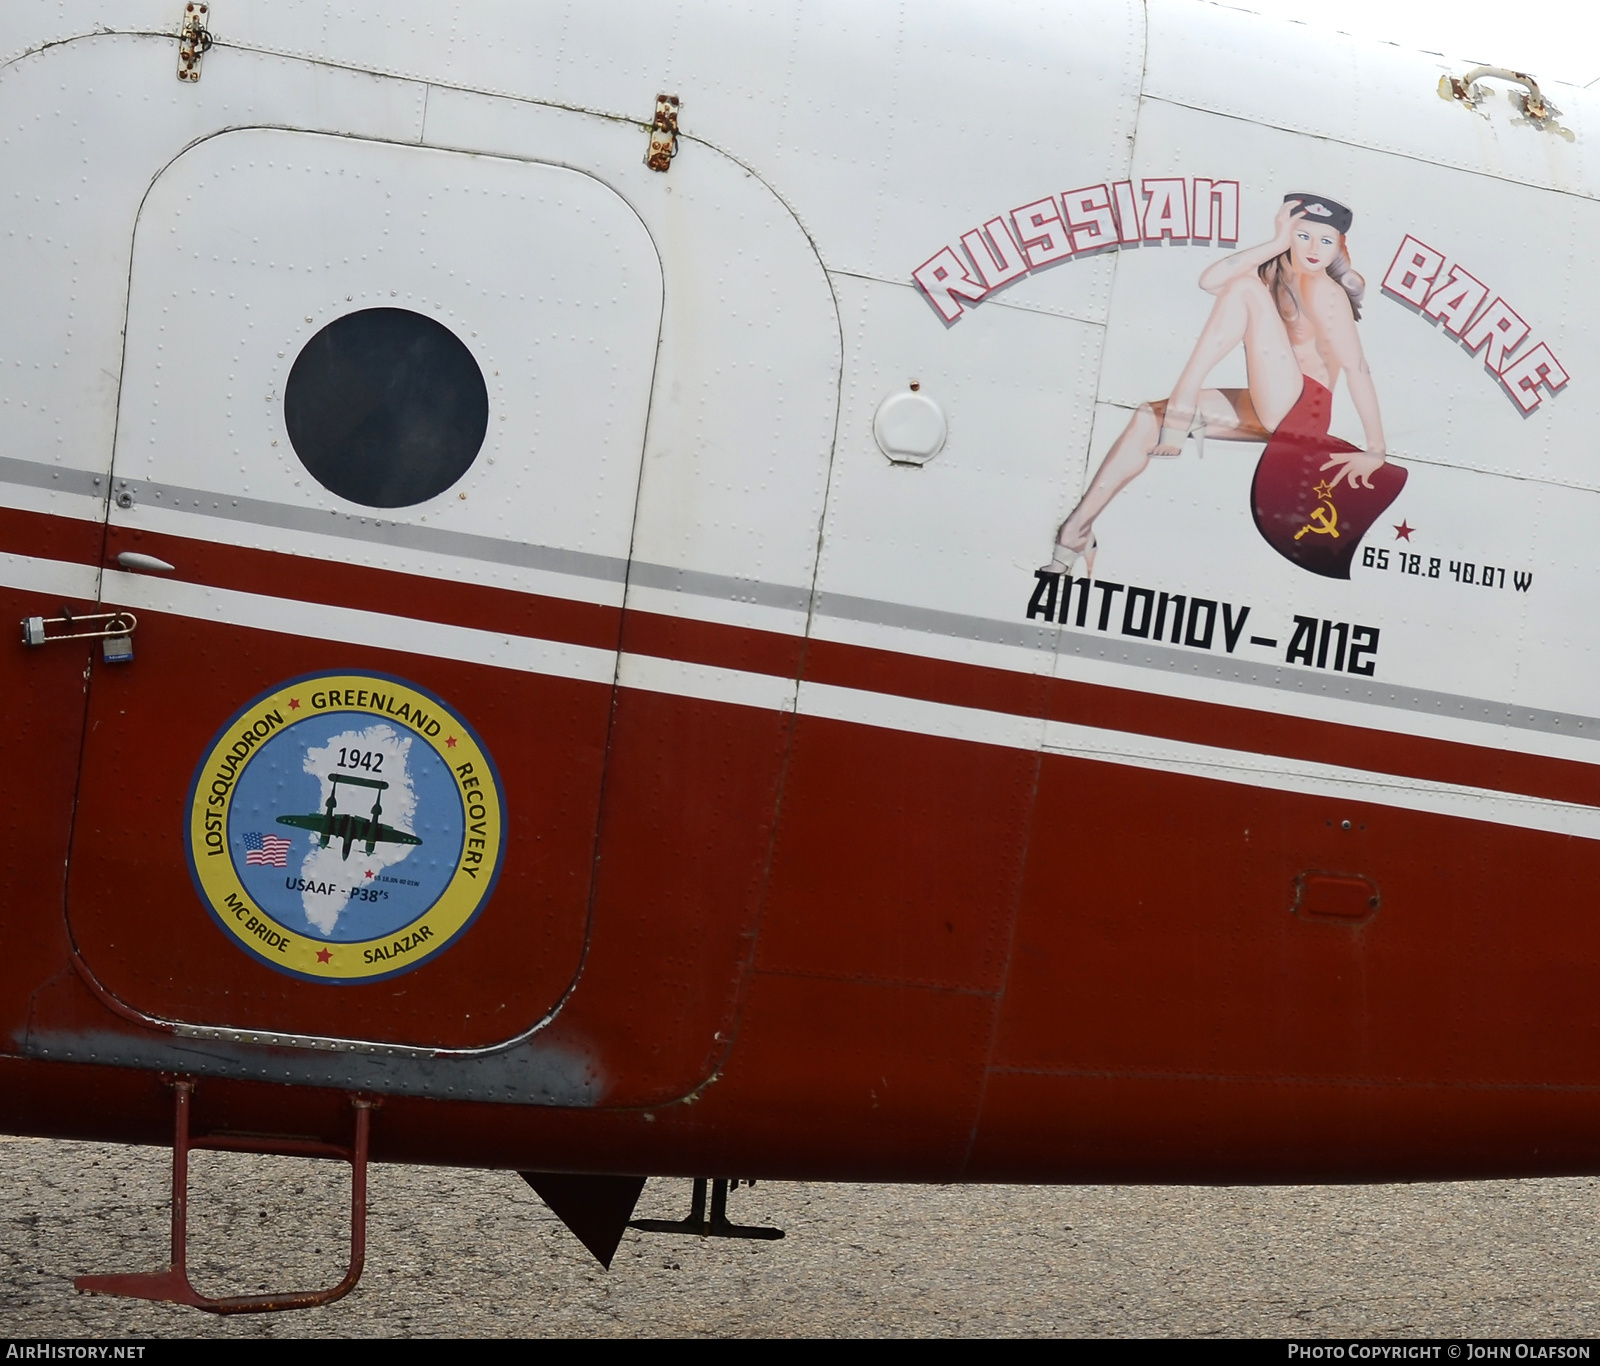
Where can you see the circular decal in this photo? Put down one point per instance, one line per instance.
(345, 827)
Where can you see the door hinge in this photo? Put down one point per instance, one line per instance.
(663, 134)
(194, 40)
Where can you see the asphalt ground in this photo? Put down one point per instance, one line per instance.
(473, 1253)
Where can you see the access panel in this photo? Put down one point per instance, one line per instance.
(378, 452)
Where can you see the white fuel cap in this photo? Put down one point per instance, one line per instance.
(910, 427)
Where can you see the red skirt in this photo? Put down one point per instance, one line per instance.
(1296, 510)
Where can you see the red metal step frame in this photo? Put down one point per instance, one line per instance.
(172, 1285)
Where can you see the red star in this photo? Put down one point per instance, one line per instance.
(294, 704)
(369, 872)
(451, 741)
(323, 956)
(1403, 532)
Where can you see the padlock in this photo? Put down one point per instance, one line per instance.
(113, 629)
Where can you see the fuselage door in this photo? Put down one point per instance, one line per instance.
(377, 456)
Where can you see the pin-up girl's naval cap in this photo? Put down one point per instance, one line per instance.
(1320, 210)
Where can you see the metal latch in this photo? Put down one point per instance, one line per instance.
(194, 40)
(114, 629)
(663, 135)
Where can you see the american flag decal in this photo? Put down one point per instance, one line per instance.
(269, 850)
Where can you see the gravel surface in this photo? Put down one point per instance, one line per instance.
(476, 1253)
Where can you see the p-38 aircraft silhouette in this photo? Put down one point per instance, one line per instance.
(341, 825)
(755, 471)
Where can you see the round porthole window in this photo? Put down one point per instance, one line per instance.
(386, 407)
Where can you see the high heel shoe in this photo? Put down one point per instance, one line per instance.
(1173, 435)
(1065, 557)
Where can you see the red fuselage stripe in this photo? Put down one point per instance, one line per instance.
(298, 577)
(1204, 723)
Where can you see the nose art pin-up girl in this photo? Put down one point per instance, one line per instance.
(1293, 303)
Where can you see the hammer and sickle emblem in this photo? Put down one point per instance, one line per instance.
(1324, 521)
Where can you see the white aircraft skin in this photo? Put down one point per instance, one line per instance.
(1019, 488)
(917, 130)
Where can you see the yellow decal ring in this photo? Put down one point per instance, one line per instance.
(346, 827)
